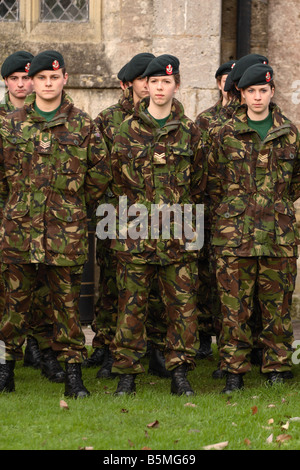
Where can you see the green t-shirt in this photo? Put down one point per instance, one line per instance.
(48, 115)
(160, 122)
(262, 127)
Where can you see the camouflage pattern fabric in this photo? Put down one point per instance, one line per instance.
(178, 287)
(49, 173)
(64, 283)
(153, 165)
(106, 307)
(274, 279)
(207, 284)
(5, 107)
(41, 327)
(252, 186)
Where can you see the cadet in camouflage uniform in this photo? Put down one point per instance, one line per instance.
(154, 161)
(210, 125)
(54, 163)
(253, 180)
(14, 70)
(106, 308)
(208, 299)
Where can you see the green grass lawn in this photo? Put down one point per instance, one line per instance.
(31, 418)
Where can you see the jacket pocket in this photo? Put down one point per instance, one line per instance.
(286, 230)
(230, 168)
(284, 160)
(15, 229)
(229, 225)
(67, 231)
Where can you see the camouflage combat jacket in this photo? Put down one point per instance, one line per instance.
(110, 118)
(155, 166)
(6, 106)
(49, 173)
(253, 185)
(206, 118)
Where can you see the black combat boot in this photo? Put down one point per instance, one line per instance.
(205, 350)
(219, 373)
(32, 356)
(96, 358)
(7, 383)
(275, 377)
(105, 371)
(180, 384)
(126, 385)
(233, 382)
(157, 364)
(51, 368)
(73, 384)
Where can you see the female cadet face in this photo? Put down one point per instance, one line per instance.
(162, 89)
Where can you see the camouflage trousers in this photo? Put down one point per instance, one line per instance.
(178, 289)
(106, 307)
(272, 280)
(62, 289)
(41, 326)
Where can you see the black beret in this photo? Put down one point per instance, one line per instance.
(121, 73)
(18, 62)
(165, 64)
(137, 66)
(47, 60)
(225, 68)
(241, 66)
(258, 74)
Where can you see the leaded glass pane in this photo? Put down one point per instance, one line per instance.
(64, 10)
(9, 10)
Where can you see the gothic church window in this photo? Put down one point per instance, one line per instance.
(9, 10)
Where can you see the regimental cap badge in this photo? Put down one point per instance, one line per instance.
(268, 77)
(27, 67)
(55, 65)
(233, 65)
(169, 69)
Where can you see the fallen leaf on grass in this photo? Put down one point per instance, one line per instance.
(64, 404)
(296, 418)
(247, 442)
(191, 404)
(130, 443)
(155, 424)
(269, 439)
(271, 421)
(285, 426)
(283, 437)
(86, 448)
(271, 405)
(123, 410)
(218, 446)
(254, 410)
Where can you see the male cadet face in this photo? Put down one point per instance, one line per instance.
(139, 88)
(221, 85)
(49, 84)
(19, 85)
